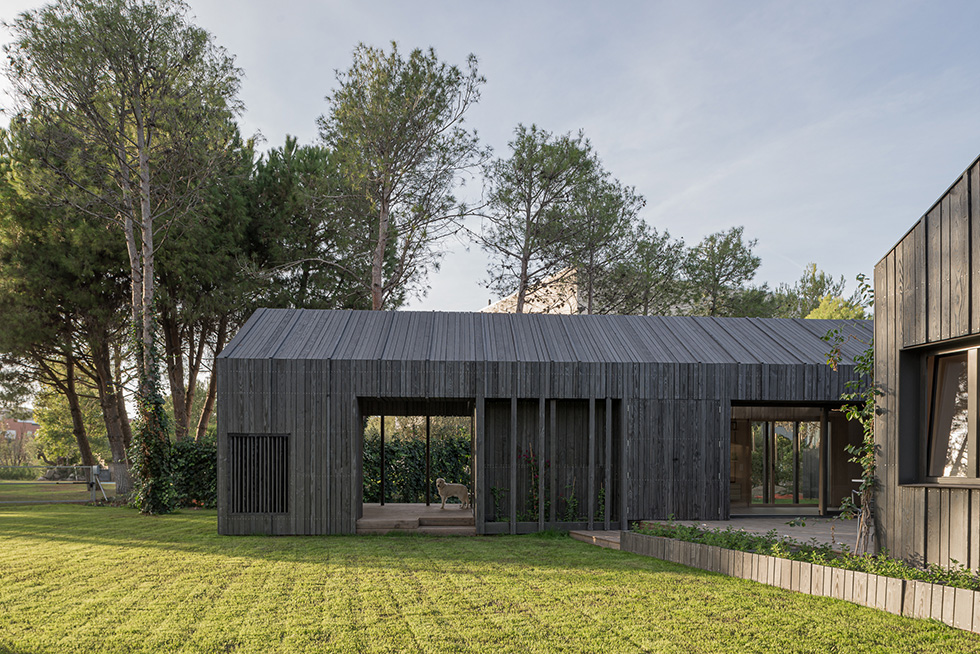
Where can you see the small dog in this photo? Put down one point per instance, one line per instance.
(459, 491)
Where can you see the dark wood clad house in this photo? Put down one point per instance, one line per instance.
(927, 334)
(638, 417)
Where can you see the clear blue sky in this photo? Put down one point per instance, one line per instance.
(825, 128)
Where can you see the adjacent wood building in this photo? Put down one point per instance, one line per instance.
(927, 331)
(635, 417)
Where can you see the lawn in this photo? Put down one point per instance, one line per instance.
(99, 579)
(48, 491)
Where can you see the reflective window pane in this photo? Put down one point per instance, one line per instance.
(809, 462)
(949, 452)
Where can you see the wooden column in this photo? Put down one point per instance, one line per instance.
(623, 466)
(478, 466)
(513, 465)
(796, 462)
(382, 459)
(554, 462)
(541, 458)
(770, 432)
(607, 495)
(824, 476)
(591, 502)
(428, 459)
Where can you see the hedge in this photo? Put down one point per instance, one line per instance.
(405, 467)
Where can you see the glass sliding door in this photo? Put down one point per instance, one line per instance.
(809, 469)
(785, 462)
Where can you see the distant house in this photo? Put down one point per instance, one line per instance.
(15, 429)
(558, 294)
(603, 419)
(927, 342)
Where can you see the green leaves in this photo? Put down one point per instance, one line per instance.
(861, 397)
(716, 270)
(405, 466)
(550, 207)
(396, 126)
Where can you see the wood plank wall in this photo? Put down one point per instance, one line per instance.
(927, 291)
(668, 432)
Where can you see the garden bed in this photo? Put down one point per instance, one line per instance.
(957, 607)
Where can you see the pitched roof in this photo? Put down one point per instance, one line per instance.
(437, 336)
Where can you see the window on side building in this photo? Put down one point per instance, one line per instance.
(951, 447)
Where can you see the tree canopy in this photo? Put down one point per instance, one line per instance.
(716, 269)
(397, 126)
(532, 227)
(131, 204)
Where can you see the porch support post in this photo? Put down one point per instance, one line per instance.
(607, 492)
(554, 462)
(824, 476)
(479, 466)
(770, 463)
(623, 465)
(591, 502)
(541, 458)
(382, 459)
(428, 460)
(513, 465)
(796, 462)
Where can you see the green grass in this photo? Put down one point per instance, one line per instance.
(103, 579)
(34, 491)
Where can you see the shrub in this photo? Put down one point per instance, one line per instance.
(194, 470)
(405, 467)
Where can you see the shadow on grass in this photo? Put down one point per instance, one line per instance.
(195, 532)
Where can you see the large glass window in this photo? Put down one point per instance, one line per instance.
(785, 462)
(951, 423)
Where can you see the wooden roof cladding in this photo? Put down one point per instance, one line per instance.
(434, 336)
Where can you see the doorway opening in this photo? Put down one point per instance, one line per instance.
(791, 459)
(406, 445)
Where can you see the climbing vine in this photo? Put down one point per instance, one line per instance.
(861, 405)
(149, 453)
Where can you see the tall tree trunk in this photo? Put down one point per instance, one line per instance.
(129, 230)
(525, 259)
(74, 407)
(174, 352)
(219, 344)
(108, 397)
(195, 357)
(146, 239)
(378, 260)
(122, 412)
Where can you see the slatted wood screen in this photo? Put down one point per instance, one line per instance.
(259, 473)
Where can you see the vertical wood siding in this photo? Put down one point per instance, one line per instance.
(629, 415)
(927, 292)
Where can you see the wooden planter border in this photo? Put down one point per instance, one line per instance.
(957, 607)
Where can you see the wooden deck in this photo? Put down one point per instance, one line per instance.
(600, 537)
(417, 518)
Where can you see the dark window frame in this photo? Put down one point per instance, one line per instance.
(931, 366)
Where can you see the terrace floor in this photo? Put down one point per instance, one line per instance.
(835, 533)
(418, 518)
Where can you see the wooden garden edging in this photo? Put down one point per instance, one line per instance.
(957, 607)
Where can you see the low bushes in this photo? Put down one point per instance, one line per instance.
(787, 548)
(194, 472)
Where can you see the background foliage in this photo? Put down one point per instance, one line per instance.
(194, 471)
(450, 449)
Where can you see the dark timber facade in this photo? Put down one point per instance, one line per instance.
(927, 333)
(634, 415)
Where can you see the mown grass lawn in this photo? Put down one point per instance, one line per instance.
(35, 491)
(97, 579)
